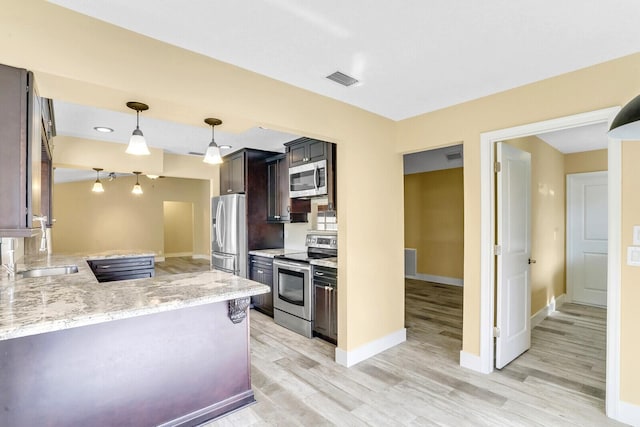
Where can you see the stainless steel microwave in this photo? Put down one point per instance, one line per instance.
(308, 180)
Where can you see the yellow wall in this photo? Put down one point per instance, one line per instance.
(178, 228)
(433, 221)
(547, 220)
(106, 70)
(630, 291)
(88, 222)
(586, 161)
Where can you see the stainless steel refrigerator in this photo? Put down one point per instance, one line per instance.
(229, 234)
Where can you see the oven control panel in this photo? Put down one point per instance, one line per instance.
(322, 241)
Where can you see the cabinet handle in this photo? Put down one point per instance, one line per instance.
(319, 273)
(260, 271)
(229, 190)
(276, 216)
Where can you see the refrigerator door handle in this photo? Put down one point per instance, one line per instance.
(221, 221)
(218, 224)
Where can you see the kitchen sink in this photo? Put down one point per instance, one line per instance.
(48, 271)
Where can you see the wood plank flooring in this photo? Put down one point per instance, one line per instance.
(558, 382)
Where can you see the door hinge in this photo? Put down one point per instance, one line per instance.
(497, 250)
(497, 167)
(496, 332)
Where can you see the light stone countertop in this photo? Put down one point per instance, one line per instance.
(36, 305)
(272, 253)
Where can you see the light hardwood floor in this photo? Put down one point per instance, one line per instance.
(558, 382)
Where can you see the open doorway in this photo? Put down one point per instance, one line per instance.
(434, 247)
(488, 274)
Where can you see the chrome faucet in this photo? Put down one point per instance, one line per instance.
(43, 227)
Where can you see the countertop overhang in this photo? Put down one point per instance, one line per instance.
(37, 305)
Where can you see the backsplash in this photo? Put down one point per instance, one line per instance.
(296, 233)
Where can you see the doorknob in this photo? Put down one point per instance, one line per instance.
(532, 261)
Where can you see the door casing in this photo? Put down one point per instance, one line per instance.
(484, 362)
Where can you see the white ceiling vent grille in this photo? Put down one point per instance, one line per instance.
(342, 78)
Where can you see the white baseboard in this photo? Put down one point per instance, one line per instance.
(628, 413)
(472, 361)
(158, 258)
(553, 305)
(436, 279)
(177, 254)
(350, 358)
(201, 256)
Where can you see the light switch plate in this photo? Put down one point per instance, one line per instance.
(636, 235)
(633, 255)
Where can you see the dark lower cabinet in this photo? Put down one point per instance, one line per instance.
(325, 304)
(261, 270)
(112, 269)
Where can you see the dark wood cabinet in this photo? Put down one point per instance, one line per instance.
(112, 269)
(325, 304)
(232, 172)
(261, 270)
(20, 152)
(308, 150)
(246, 169)
(280, 208)
(305, 150)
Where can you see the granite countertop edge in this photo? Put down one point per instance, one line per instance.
(32, 306)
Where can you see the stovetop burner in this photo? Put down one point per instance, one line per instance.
(319, 247)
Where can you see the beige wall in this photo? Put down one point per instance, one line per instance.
(178, 228)
(547, 220)
(630, 291)
(88, 222)
(433, 221)
(586, 161)
(106, 70)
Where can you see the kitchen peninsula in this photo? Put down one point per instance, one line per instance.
(170, 350)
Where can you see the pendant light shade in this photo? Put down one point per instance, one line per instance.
(212, 155)
(97, 186)
(137, 189)
(626, 125)
(137, 144)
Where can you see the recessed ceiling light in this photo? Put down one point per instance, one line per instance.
(103, 129)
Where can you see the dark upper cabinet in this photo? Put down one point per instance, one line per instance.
(21, 147)
(280, 208)
(306, 150)
(232, 171)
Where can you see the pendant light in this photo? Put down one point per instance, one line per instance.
(97, 186)
(626, 125)
(137, 189)
(212, 155)
(137, 144)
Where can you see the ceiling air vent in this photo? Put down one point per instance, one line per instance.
(195, 153)
(454, 156)
(342, 78)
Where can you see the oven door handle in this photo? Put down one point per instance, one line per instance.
(292, 266)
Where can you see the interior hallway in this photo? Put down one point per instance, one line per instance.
(558, 382)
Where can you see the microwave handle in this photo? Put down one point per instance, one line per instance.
(316, 175)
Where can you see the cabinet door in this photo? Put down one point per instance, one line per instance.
(322, 315)
(316, 150)
(273, 191)
(298, 154)
(237, 173)
(333, 331)
(225, 181)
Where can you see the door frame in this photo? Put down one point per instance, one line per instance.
(569, 232)
(487, 242)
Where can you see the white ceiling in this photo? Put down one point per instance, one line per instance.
(411, 57)
(584, 138)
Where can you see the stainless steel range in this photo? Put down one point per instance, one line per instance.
(292, 294)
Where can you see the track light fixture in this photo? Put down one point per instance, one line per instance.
(137, 143)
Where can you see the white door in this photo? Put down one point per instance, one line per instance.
(587, 224)
(513, 298)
